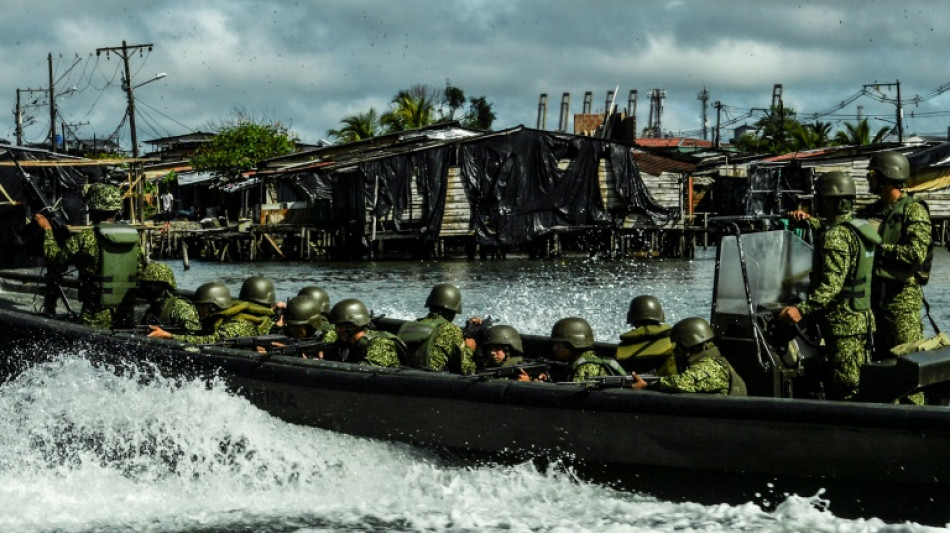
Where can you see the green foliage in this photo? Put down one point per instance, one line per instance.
(357, 127)
(811, 136)
(479, 115)
(242, 145)
(776, 133)
(408, 112)
(859, 134)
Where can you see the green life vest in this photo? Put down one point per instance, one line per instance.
(857, 287)
(364, 342)
(610, 365)
(651, 340)
(118, 262)
(891, 230)
(417, 336)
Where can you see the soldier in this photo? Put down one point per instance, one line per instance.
(502, 347)
(701, 367)
(303, 320)
(108, 257)
(573, 343)
(220, 317)
(902, 262)
(650, 336)
(434, 342)
(839, 295)
(157, 285)
(322, 299)
(261, 305)
(357, 343)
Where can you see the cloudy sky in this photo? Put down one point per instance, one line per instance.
(311, 63)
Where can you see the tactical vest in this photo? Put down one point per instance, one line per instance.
(857, 286)
(652, 340)
(417, 336)
(736, 383)
(118, 262)
(611, 365)
(363, 346)
(891, 230)
(161, 316)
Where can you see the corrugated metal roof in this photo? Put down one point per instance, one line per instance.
(656, 165)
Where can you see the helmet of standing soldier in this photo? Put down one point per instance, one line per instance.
(573, 331)
(213, 293)
(890, 165)
(691, 332)
(303, 311)
(836, 184)
(645, 309)
(318, 294)
(350, 311)
(259, 290)
(503, 336)
(159, 273)
(445, 296)
(103, 197)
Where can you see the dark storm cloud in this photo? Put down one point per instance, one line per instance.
(312, 63)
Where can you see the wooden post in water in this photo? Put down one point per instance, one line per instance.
(184, 255)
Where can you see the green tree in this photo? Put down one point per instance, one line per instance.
(775, 133)
(357, 127)
(453, 99)
(241, 144)
(480, 115)
(811, 136)
(859, 134)
(409, 111)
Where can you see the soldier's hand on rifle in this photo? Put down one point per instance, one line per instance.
(798, 214)
(158, 333)
(791, 314)
(639, 384)
(42, 221)
(523, 376)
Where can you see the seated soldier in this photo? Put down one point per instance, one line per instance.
(650, 337)
(434, 342)
(357, 343)
(501, 348)
(573, 344)
(323, 308)
(157, 285)
(262, 305)
(220, 317)
(303, 321)
(701, 367)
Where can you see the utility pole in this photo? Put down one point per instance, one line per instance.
(124, 52)
(52, 106)
(703, 97)
(18, 114)
(778, 104)
(900, 109)
(718, 106)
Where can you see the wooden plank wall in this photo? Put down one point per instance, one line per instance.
(666, 189)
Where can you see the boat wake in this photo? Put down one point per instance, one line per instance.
(84, 449)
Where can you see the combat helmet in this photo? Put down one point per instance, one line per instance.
(259, 290)
(691, 332)
(836, 184)
(103, 197)
(350, 311)
(213, 293)
(318, 294)
(159, 273)
(303, 311)
(503, 336)
(645, 309)
(445, 296)
(891, 165)
(573, 331)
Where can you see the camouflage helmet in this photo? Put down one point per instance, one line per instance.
(691, 332)
(303, 311)
(318, 294)
(891, 165)
(259, 290)
(503, 336)
(350, 311)
(445, 296)
(103, 197)
(836, 184)
(574, 331)
(645, 309)
(213, 293)
(159, 273)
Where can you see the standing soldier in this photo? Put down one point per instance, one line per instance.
(107, 255)
(902, 262)
(839, 296)
(157, 286)
(573, 344)
(650, 336)
(434, 342)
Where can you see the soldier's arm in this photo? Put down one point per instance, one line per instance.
(183, 313)
(836, 262)
(915, 241)
(707, 375)
(381, 352)
(589, 370)
(57, 257)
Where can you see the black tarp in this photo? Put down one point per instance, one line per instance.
(770, 191)
(934, 156)
(631, 189)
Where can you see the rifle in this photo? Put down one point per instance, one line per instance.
(477, 331)
(513, 371)
(612, 382)
(251, 342)
(298, 347)
(39, 204)
(145, 329)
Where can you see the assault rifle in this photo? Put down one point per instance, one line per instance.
(477, 331)
(274, 344)
(39, 204)
(512, 372)
(145, 329)
(612, 382)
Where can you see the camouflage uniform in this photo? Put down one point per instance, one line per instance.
(590, 365)
(167, 309)
(447, 348)
(227, 324)
(373, 349)
(707, 371)
(83, 251)
(907, 240)
(846, 332)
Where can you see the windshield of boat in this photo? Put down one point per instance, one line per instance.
(778, 263)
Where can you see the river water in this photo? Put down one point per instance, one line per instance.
(84, 450)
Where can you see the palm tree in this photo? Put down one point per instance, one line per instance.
(860, 134)
(811, 136)
(357, 127)
(409, 112)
